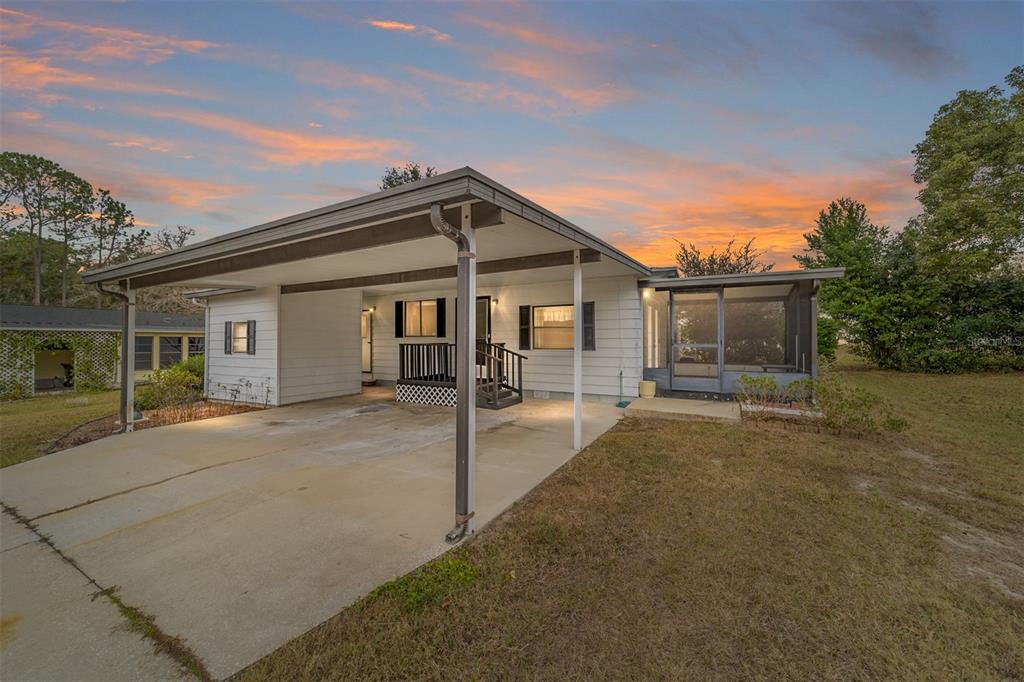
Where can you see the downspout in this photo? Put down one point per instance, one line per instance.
(123, 400)
(465, 398)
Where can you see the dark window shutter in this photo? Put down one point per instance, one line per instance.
(524, 327)
(399, 319)
(589, 327)
(442, 330)
(250, 337)
(227, 338)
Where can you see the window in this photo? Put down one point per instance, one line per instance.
(553, 327)
(196, 345)
(170, 350)
(240, 337)
(419, 318)
(755, 333)
(143, 352)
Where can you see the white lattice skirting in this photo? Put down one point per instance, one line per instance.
(425, 395)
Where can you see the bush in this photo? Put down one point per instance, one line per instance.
(762, 389)
(193, 364)
(13, 390)
(828, 338)
(167, 387)
(852, 410)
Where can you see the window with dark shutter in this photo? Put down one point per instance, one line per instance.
(524, 327)
(250, 337)
(589, 327)
(399, 319)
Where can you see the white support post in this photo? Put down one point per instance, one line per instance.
(577, 351)
(128, 380)
(470, 349)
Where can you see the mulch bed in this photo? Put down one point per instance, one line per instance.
(107, 426)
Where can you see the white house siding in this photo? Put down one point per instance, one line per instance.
(547, 373)
(320, 345)
(240, 376)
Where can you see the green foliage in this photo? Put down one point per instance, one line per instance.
(410, 172)
(13, 390)
(799, 392)
(760, 390)
(853, 410)
(175, 385)
(427, 585)
(193, 364)
(693, 263)
(828, 339)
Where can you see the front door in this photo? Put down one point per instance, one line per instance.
(696, 341)
(483, 319)
(366, 331)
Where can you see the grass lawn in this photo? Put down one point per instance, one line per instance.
(28, 427)
(692, 550)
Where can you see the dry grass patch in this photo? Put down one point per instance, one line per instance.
(689, 550)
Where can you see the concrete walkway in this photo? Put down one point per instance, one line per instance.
(684, 408)
(238, 533)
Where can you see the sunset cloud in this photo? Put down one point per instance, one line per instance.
(287, 147)
(90, 43)
(402, 27)
(486, 93)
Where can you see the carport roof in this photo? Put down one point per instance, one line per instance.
(413, 199)
(35, 317)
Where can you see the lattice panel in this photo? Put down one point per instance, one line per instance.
(425, 395)
(95, 356)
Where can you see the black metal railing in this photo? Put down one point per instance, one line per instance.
(498, 370)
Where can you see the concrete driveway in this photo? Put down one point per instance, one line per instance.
(238, 533)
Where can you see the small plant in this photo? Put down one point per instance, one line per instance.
(853, 410)
(427, 585)
(193, 364)
(799, 392)
(760, 390)
(169, 387)
(13, 390)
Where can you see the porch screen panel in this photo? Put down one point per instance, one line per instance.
(695, 349)
(755, 334)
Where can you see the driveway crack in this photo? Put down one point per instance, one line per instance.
(138, 620)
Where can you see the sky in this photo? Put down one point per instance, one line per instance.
(641, 122)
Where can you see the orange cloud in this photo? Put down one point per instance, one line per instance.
(287, 147)
(644, 199)
(101, 43)
(402, 27)
(480, 92)
(535, 36)
(28, 74)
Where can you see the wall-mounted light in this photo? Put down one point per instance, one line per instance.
(372, 308)
(494, 301)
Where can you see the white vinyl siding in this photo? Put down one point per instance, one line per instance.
(618, 331)
(240, 376)
(321, 353)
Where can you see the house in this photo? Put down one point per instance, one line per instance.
(381, 287)
(48, 347)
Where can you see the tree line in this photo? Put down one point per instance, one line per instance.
(54, 224)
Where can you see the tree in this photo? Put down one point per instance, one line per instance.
(410, 172)
(171, 238)
(693, 263)
(971, 166)
(30, 183)
(72, 206)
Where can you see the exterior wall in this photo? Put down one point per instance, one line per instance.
(546, 373)
(320, 345)
(241, 377)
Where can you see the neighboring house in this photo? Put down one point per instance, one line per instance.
(313, 305)
(46, 348)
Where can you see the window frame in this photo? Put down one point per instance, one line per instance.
(405, 319)
(237, 347)
(194, 341)
(589, 330)
(148, 353)
(161, 352)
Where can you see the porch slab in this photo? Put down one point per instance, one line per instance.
(683, 408)
(242, 532)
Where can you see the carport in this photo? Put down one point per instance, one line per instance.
(414, 233)
(241, 532)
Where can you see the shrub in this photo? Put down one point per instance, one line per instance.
(167, 387)
(800, 391)
(193, 364)
(762, 389)
(853, 410)
(13, 390)
(828, 338)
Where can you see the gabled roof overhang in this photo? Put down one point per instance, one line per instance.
(388, 217)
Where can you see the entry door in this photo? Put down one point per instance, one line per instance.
(696, 341)
(483, 319)
(366, 330)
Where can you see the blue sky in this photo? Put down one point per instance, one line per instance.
(642, 122)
